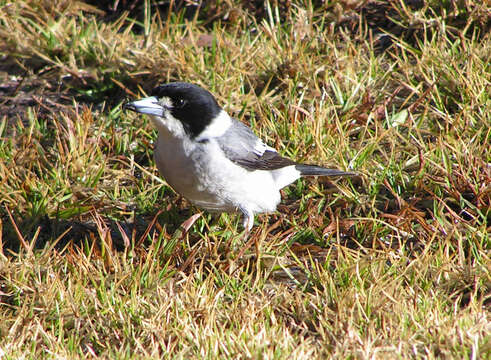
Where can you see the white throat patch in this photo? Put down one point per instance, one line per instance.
(168, 124)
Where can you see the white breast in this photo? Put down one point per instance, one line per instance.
(202, 174)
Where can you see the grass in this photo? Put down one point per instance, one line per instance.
(97, 259)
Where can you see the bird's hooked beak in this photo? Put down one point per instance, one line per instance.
(149, 105)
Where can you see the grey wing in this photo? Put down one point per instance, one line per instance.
(244, 148)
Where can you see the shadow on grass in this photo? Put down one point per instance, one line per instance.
(22, 233)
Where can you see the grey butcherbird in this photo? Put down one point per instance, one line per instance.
(213, 160)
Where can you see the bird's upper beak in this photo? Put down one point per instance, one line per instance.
(149, 105)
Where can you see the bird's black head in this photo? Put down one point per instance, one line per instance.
(192, 105)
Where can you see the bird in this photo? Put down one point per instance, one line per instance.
(214, 160)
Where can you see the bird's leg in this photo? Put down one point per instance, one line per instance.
(248, 222)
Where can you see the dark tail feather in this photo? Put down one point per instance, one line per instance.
(313, 170)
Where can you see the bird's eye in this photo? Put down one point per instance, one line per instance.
(179, 103)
